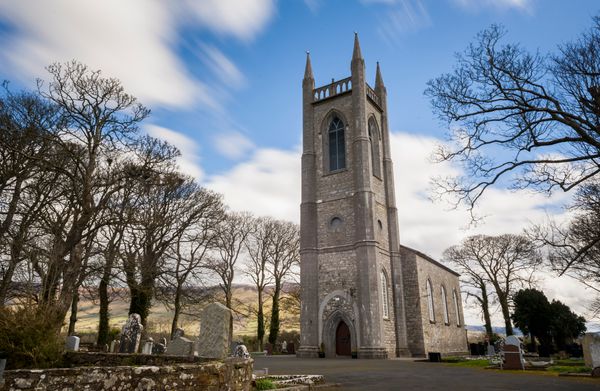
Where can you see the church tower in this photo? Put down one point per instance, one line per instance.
(351, 276)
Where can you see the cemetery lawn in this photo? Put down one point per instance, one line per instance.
(561, 366)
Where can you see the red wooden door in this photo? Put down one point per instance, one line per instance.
(342, 340)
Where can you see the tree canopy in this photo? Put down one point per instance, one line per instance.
(522, 119)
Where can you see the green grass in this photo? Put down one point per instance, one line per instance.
(569, 368)
(265, 384)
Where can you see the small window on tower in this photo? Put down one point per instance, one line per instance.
(336, 224)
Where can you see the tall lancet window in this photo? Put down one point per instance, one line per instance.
(430, 301)
(456, 308)
(374, 140)
(445, 306)
(337, 146)
(384, 296)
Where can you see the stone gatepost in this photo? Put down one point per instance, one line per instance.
(214, 341)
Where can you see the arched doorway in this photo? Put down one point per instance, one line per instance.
(343, 346)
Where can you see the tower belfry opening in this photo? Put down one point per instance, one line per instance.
(358, 282)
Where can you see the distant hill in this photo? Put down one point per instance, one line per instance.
(160, 318)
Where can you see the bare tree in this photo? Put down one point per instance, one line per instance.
(99, 118)
(528, 120)
(188, 254)
(574, 247)
(257, 244)
(231, 238)
(283, 256)
(506, 262)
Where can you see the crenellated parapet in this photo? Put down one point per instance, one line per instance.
(332, 89)
(340, 87)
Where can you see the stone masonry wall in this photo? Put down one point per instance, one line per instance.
(412, 300)
(230, 374)
(439, 336)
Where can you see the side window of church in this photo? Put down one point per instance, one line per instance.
(430, 301)
(456, 308)
(374, 140)
(445, 306)
(384, 296)
(337, 146)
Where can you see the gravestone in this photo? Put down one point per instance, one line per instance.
(159, 348)
(177, 334)
(241, 351)
(591, 350)
(491, 351)
(3, 357)
(131, 334)
(214, 341)
(291, 348)
(114, 346)
(181, 346)
(163, 341)
(72, 344)
(105, 348)
(147, 349)
(269, 349)
(513, 355)
(284, 347)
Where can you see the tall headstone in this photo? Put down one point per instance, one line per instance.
(214, 341)
(72, 344)
(131, 334)
(591, 350)
(513, 355)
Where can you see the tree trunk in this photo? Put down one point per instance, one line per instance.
(485, 306)
(260, 320)
(104, 318)
(73, 317)
(506, 314)
(228, 305)
(6, 282)
(533, 342)
(176, 310)
(141, 301)
(274, 326)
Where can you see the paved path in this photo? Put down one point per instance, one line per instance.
(409, 375)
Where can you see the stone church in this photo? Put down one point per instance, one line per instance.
(363, 293)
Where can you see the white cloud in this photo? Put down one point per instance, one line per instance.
(399, 17)
(222, 66)
(188, 161)
(242, 19)
(522, 5)
(268, 184)
(233, 145)
(134, 40)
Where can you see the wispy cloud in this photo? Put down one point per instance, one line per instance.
(222, 66)
(399, 17)
(189, 160)
(475, 5)
(233, 145)
(241, 19)
(135, 41)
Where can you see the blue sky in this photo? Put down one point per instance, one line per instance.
(223, 80)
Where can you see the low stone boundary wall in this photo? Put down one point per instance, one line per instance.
(100, 359)
(230, 374)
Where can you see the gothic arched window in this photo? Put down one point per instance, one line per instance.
(445, 306)
(456, 307)
(384, 296)
(374, 140)
(337, 146)
(430, 301)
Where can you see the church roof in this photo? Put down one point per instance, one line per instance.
(428, 258)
